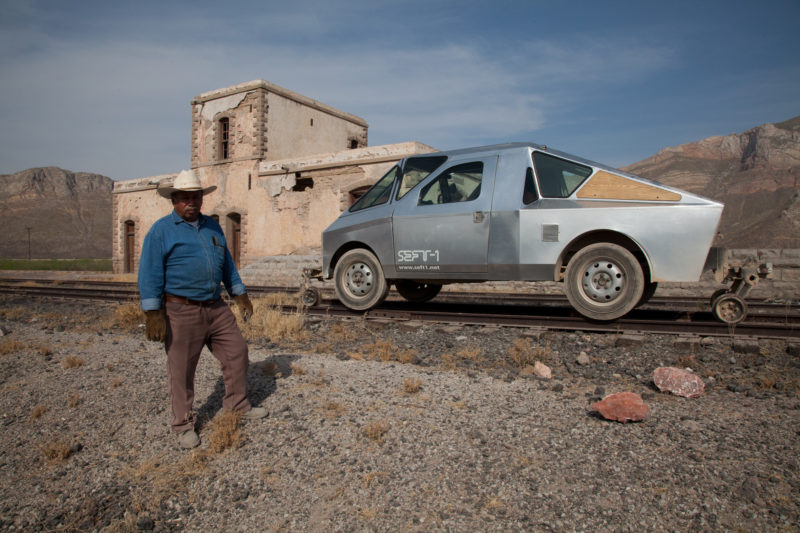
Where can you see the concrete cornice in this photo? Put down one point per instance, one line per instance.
(286, 93)
(357, 156)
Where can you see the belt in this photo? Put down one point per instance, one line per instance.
(187, 301)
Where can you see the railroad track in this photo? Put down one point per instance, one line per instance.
(662, 315)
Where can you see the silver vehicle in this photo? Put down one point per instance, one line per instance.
(517, 212)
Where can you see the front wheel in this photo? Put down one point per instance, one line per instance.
(359, 282)
(417, 292)
(604, 281)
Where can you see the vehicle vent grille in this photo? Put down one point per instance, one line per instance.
(549, 232)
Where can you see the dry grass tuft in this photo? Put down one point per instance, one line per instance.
(13, 313)
(158, 479)
(333, 409)
(128, 316)
(412, 385)
(226, 432)
(9, 347)
(385, 351)
(522, 353)
(56, 451)
(270, 368)
(72, 361)
(115, 382)
(270, 322)
(298, 369)
(38, 411)
(367, 479)
(376, 429)
(73, 400)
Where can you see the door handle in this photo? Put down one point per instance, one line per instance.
(477, 216)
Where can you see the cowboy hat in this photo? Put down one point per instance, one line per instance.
(187, 180)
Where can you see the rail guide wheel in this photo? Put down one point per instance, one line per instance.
(310, 297)
(729, 308)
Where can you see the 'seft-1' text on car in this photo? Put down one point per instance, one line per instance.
(517, 212)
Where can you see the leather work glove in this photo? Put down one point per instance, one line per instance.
(245, 307)
(155, 328)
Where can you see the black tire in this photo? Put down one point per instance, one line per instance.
(604, 281)
(417, 292)
(649, 290)
(359, 281)
(729, 308)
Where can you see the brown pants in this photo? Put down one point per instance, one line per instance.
(189, 328)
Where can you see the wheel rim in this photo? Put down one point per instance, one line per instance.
(359, 279)
(730, 309)
(603, 281)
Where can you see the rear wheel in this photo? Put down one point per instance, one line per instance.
(359, 282)
(604, 281)
(417, 292)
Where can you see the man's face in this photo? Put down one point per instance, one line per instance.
(187, 204)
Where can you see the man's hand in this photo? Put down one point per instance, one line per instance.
(245, 307)
(155, 328)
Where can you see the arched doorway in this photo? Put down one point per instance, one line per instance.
(129, 246)
(234, 231)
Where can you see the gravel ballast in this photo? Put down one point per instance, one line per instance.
(460, 437)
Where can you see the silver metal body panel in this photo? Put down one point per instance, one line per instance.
(495, 236)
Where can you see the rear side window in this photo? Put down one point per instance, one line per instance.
(461, 183)
(378, 193)
(558, 178)
(417, 169)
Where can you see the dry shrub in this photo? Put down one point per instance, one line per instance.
(270, 322)
(270, 368)
(13, 313)
(38, 411)
(128, 316)
(376, 429)
(73, 400)
(56, 451)
(9, 347)
(412, 385)
(115, 382)
(298, 369)
(72, 361)
(333, 409)
(226, 432)
(157, 479)
(367, 479)
(339, 332)
(522, 353)
(385, 351)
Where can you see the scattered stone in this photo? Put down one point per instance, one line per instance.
(583, 359)
(687, 343)
(145, 524)
(792, 348)
(4, 331)
(622, 407)
(746, 346)
(542, 370)
(678, 381)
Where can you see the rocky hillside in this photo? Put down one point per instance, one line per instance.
(68, 213)
(755, 174)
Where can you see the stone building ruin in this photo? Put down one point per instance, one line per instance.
(285, 167)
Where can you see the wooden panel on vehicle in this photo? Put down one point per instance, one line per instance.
(612, 187)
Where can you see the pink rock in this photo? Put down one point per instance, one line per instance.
(678, 381)
(622, 407)
(542, 370)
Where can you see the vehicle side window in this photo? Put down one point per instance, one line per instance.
(379, 193)
(529, 194)
(461, 183)
(417, 169)
(558, 178)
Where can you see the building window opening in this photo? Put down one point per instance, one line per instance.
(302, 184)
(234, 234)
(311, 122)
(353, 143)
(355, 194)
(224, 138)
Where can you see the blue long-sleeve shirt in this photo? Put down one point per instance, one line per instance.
(179, 259)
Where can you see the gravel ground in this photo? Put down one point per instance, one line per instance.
(394, 427)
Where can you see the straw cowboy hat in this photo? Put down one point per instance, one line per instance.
(187, 180)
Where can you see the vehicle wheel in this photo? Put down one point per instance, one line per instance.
(310, 297)
(729, 308)
(649, 290)
(359, 280)
(604, 281)
(417, 292)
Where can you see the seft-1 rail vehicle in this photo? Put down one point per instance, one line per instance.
(526, 212)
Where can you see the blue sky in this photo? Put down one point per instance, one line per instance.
(105, 86)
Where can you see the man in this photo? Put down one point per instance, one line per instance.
(184, 259)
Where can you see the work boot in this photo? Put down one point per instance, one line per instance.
(254, 413)
(188, 439)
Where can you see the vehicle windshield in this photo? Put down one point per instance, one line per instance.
(378, 193)
(417, 169)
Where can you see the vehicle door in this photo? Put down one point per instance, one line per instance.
(441, 226)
